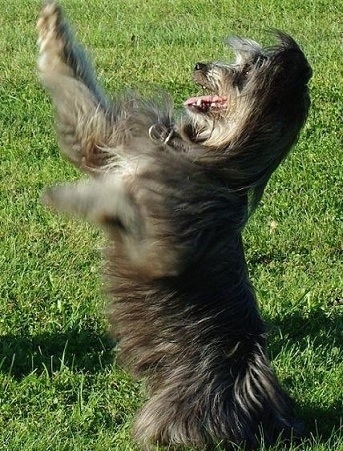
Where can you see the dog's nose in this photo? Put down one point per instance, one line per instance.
(200, 66)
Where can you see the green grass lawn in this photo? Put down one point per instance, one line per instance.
(59, 386)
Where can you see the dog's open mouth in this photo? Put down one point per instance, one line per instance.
(205, 104)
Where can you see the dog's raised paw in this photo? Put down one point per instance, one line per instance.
(48, 20)
(52, 39)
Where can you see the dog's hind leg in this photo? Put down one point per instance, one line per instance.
(83, 122)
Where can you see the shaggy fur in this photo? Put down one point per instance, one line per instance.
(173, 195)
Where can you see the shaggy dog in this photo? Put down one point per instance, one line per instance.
(173, 195)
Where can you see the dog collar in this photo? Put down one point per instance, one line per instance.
(160, 133)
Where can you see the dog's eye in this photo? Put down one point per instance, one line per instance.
(246, 69)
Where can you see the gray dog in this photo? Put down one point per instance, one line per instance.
(173, 195)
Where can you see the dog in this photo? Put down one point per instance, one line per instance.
(173, 192)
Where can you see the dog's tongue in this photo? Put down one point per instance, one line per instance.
(206, 102)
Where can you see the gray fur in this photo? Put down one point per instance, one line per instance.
(173, 194)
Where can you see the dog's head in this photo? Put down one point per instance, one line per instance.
(253, 112)
(260, 85)
(225, 81)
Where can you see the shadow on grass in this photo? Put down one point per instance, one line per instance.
(91, 352)
(322, 424)
(325, 328)
(83, 350)
(325, 331)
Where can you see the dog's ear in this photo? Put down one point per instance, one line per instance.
(288, 56)
(102, 202)
(247, 51)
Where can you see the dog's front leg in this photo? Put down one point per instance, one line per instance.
(134, 231)
(104, 202)
(83, 123)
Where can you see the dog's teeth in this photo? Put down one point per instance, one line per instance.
(198, 102)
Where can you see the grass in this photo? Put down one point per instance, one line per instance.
(59, 387)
